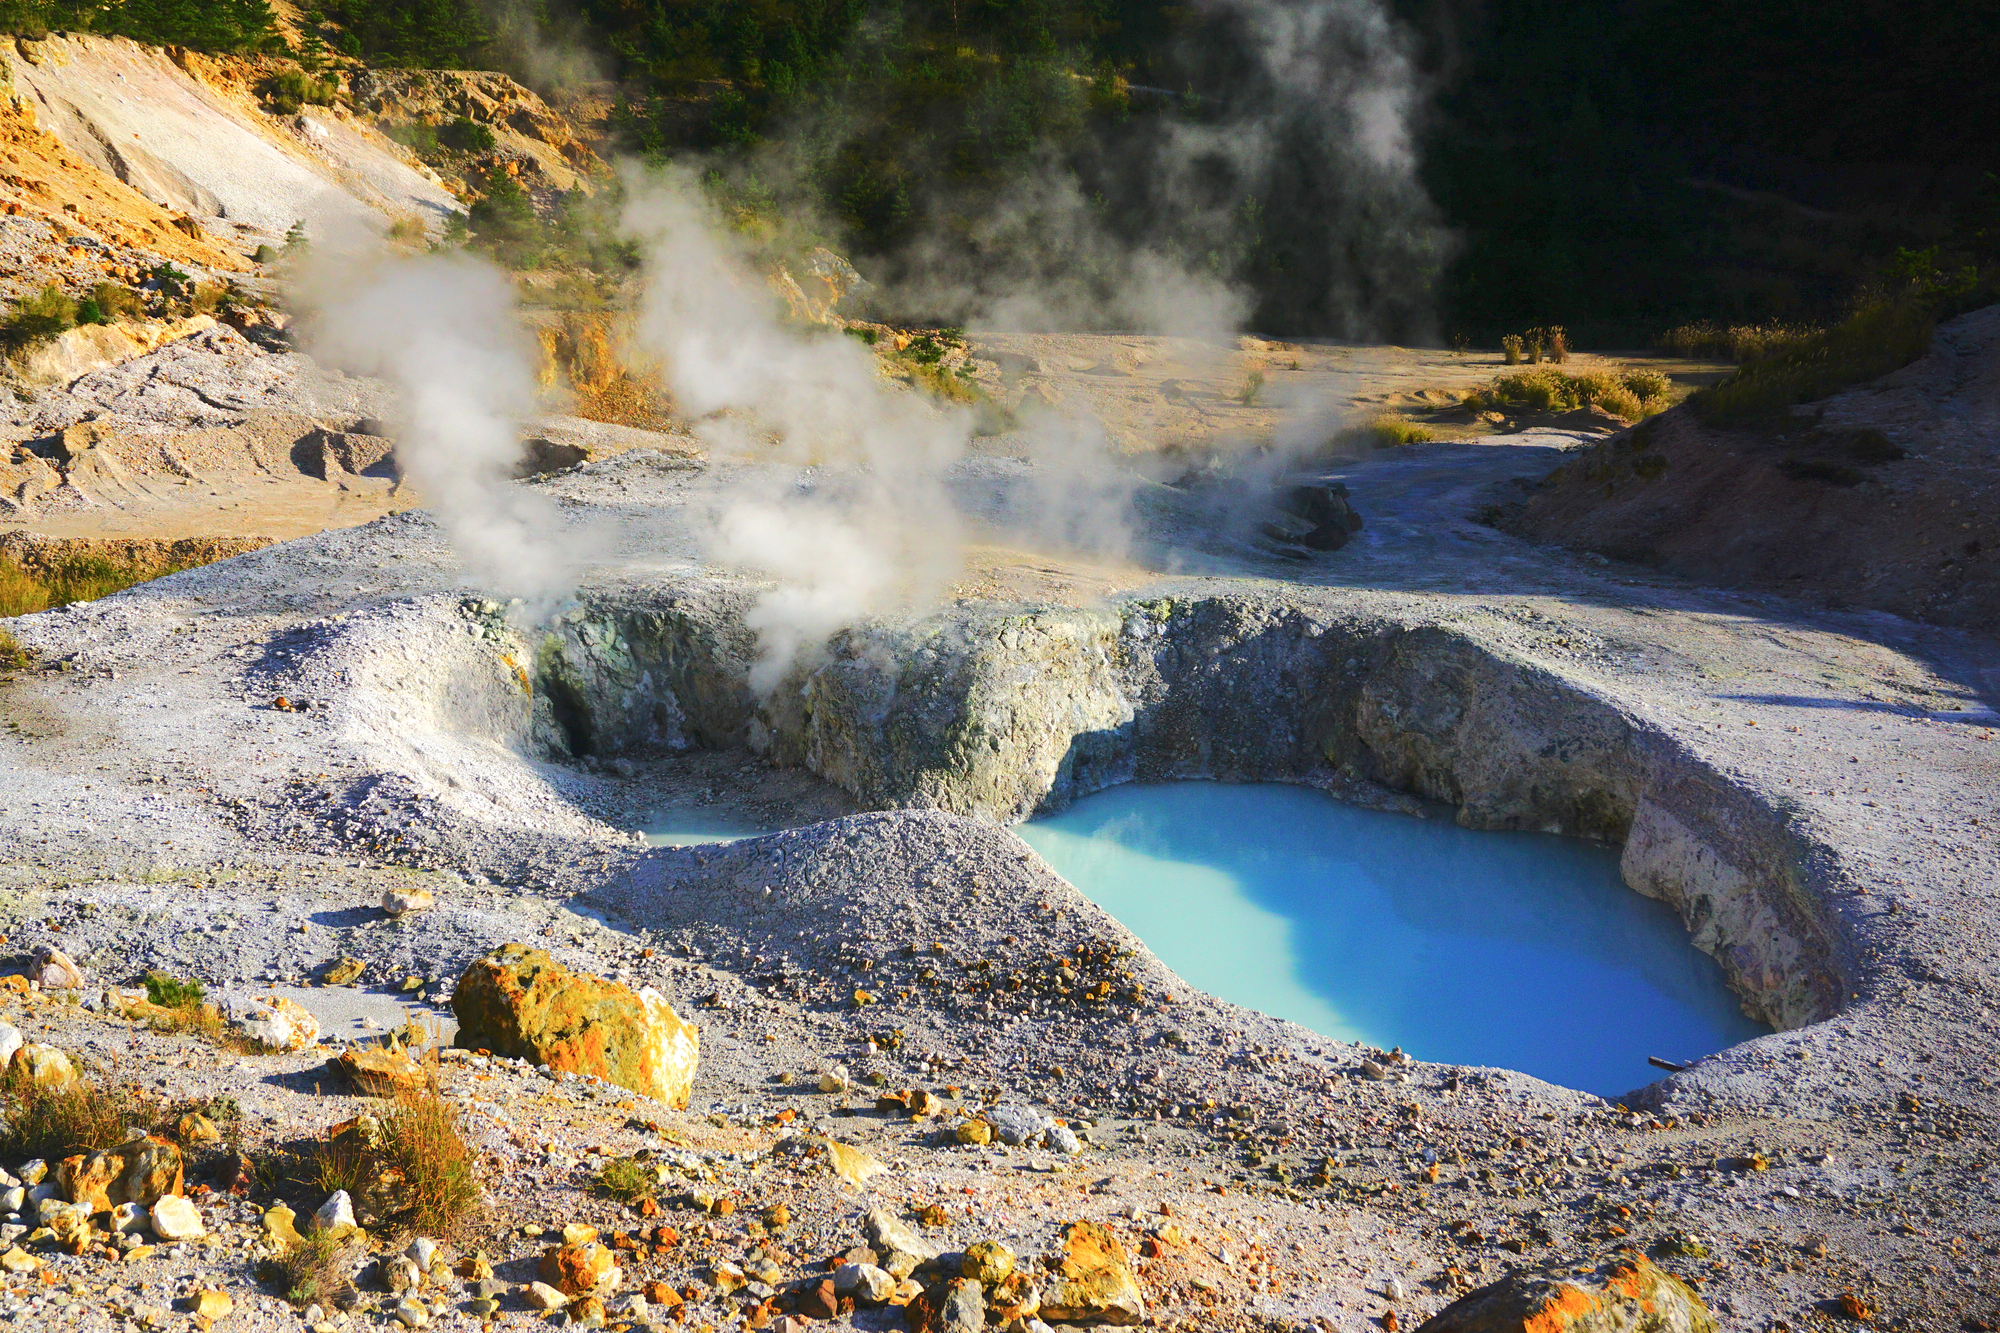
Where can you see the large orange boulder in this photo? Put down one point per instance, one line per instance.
(1622, 1294)
(519, 1002)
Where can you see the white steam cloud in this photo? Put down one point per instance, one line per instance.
(443, 329)
(866, 524)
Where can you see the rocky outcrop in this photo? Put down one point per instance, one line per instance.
(142, 1171)
(1001, 714)
(1624, 1294)
(519, 1002)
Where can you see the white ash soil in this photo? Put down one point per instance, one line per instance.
(159, 812)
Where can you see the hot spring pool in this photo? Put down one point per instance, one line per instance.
(1520, 950)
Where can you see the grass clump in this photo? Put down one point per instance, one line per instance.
(1391, 431)
(172, 992)
(13, 657)
(312, 1271)
(54, 1123)
(290, 90)
(413, 1165)
(407, 231)
(467, 136)
(1865, 346)
(626, 1179)
(38, 318)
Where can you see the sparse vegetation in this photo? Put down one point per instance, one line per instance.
(1510, 347)
(117, 301)
(1736, 342)
(407, 231)
(172, 992)
(1391, 431)
(25, 589)
(626, 1180)
(316, 1268)
(38, 318)
(1253, 388)
(291, 90)
(13, 657)
(1868, 344)
(466, 135)
(417, 1169)
(420, 137)
(1629, 394)
(54, 1123)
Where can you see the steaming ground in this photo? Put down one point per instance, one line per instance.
(150, 794)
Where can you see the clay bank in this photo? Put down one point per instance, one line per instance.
(1814, 796)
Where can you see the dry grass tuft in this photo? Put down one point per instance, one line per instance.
(313, 1271)
(1390, 431)
(24, 590)
(54, 1123)
(1734, 342)
(413, 1166)
(13, 657)
(1865, 346)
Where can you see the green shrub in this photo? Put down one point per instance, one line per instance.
(467, 136)
(118, 301)
(1735, 342)
(1628, 394)
(1511, 345)
(265, 254)
(172, 992)
(38, 318)
(13, 657)
(1253, 388)
(418, 136)
(1867, 345)
(290, 90)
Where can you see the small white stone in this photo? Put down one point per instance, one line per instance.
(423, 1252)
(129, 1217)
(335, 1213)
(174, 1218)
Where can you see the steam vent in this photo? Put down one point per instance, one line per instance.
(996, 671)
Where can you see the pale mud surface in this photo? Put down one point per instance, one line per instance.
(1814, 792)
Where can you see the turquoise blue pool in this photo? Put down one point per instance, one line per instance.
(1519, 950)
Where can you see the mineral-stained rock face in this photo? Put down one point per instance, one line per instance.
(1093, 1280)
(520, 1002)
(1623, 1294)
(142, 1171)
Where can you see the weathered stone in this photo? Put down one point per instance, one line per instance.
(343, 972)
(210, 1303)
(1015, 1297)
(541, 1296)
(379, 1071)
(1622, 1294)
(978, 1130)
(397, 902)
(53, 969)
(11, 1041)
(957, 1306)
(819, 1301)
(866, 1283)
(45, 1066)
(410, 1313)
(1063, 1139)
(400, 1272)
(986, 1262)
(174, 1218)
(423, 1252)
(890, 1234)
(580, 1269)
(1016, 1124)
(129, 1218)
(519, 1002)
(280, 1229)
(194, 1127)
(336, 1214)
(852, 1164)
(137, 1171)
(277, 1024)
(18, 1261)
(1093, 1281)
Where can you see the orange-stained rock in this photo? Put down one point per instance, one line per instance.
(1093, 1281)
(140, 1171)
(379, 1071)
(1622, 1294)
(577, 1270)
(519, 1002)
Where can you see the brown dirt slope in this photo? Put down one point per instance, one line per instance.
(1882, 496)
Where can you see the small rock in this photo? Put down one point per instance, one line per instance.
(588, 1312)
(891, 1233)
(578, 1233)
(1015, 1124)
(1093, 1282)
(174, 1218)
(129, 1218)
(401, 1273)
(541, 1296)
(485, 1307)
(53, 969)
(397, 902)
(343, 972)
(279, 1230)
(580, 1269)
(379, 1071)
(210, 1303)
(836, 1079)
(866, 1283)
(274, 1023)
(986, 1262)
(1063, 1139)
(977, 1131)
(336, 1214)
(19, 1261)
(45, 1067)
(851, 1164)
(410, 1313)
(819, 1301)
(423, 1251)
(194, 1127)
(10, 1042)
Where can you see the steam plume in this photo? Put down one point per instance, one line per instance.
(443, 330)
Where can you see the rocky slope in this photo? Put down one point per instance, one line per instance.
(1881, 496)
